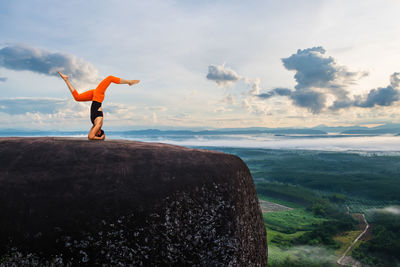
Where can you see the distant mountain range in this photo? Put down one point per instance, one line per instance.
(224, 131)
(388, 128)
(318, 130)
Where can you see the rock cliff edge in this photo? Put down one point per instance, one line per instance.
(72, 202)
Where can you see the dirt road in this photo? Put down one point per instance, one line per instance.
(343, 260)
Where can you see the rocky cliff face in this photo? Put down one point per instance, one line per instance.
(68, 201)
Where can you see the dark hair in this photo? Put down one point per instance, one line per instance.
(100, 134)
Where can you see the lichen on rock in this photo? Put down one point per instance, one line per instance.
(67, 202)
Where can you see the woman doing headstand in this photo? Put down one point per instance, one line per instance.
(97, 97)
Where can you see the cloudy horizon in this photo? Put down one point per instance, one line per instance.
(201, 65)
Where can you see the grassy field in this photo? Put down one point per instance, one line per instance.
(280, 242)
(345, 239)
(276, 235)
(283, 227)
(280, 201)
(300, 256)
(291, 221)
(267, 206)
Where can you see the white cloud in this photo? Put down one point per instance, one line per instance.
(55, 113)
(229, 100)
(222, 110)
(154, 117)
(305, 254)
(222, 75)
(246, 105)
(156, 108)
(256, 87)
(23, 57)
(395, 210)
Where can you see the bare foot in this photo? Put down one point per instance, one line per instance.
(132, 82)
(64, 77)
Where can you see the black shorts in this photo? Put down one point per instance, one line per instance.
(94, 112)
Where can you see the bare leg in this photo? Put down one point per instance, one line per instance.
(85, 96)
(130, 82)
(66, 80)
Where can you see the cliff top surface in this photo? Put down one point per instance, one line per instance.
(155, 164)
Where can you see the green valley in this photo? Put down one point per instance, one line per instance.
(321, 197)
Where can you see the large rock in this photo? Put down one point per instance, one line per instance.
(70, 201)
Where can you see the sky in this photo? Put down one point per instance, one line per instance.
(201, 64)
